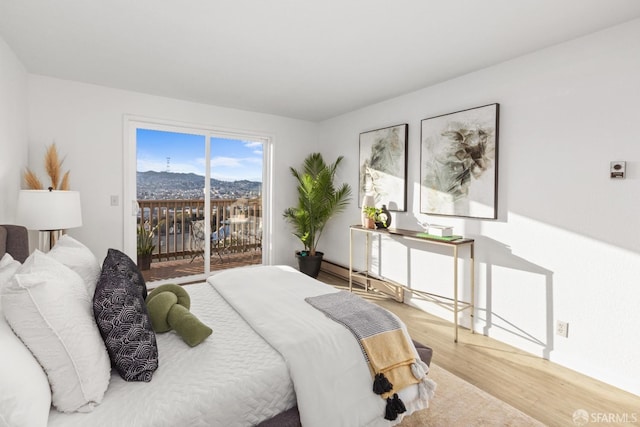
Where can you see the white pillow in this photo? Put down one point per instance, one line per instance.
(25, 396)
(8, 267)
(48, 307)
(79, 258)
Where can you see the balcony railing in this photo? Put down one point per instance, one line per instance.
(236, 225)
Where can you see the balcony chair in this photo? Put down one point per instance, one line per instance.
(218, 239)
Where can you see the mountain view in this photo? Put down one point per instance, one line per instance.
(153, 185)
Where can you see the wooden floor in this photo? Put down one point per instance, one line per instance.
(547, 392)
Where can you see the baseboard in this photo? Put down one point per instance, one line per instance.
(384, 286)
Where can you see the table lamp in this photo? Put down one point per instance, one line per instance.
(49, 211)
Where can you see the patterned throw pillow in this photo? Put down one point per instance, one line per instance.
(123, 320)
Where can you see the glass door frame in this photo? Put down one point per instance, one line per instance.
(130, 203)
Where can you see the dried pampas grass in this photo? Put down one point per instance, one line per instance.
(53, 166)
(33, 183)
(64, 185)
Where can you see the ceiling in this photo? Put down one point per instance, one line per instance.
(306, 59)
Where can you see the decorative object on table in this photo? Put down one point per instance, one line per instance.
(370, 215)
(377, 217)
(459, 163)
(50, 212)
(168, 307)
(367, 201)
(440, 230)
(384, 217)
(318, 201)
(145, 245)
(383, 166)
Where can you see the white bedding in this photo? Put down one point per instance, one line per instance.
(233, 378)
(331, 378)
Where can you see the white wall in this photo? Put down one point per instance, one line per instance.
(13, 130)
(566, 244)
(86, 123)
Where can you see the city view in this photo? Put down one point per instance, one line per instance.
(152, 185)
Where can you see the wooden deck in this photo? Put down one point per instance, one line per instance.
(161, 270)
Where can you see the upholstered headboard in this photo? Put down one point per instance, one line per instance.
(15, 240)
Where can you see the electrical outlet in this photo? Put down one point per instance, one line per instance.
(115, 200)
(562, 328)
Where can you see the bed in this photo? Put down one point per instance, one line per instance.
(272, 360)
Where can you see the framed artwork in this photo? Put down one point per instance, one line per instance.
(383, 166)
(459, 163)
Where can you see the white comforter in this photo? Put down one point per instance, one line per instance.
(232, 379)
(332, 381)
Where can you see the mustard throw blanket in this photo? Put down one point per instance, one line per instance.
(390, 355)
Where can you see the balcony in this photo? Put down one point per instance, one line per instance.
(236, 238)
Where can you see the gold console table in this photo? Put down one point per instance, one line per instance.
(413, 235)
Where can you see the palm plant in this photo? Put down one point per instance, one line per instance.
(318, 200)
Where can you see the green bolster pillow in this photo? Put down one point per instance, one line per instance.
(168, 307)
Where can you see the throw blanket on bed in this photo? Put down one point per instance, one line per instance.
(332, 384)
(383, 342)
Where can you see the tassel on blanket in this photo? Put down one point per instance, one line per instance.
(381, 384)
(394, 407)
(418, 371)
(426, 388)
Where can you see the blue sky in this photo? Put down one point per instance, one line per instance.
(231, 159)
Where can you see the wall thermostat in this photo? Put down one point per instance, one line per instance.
(618, 169)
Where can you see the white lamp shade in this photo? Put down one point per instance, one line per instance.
(46, 210)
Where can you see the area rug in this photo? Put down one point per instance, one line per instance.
(458, 403)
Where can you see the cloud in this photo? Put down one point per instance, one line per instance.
(230, 162)
(252, 144)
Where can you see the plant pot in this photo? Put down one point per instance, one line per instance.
(369, 223)
(144, 261)
(309, 265)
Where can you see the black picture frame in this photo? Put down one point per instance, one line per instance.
(383, 166)
(459, 163)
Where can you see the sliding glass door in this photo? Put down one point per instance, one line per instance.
(199, 195)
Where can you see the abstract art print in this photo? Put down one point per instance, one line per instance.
(459, 163)
(383, 166)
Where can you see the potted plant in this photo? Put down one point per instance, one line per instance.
(145, 246)
(318, 201)
(370, 214)
(376, 217)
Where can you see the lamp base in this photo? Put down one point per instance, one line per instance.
(48, 238)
